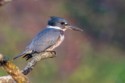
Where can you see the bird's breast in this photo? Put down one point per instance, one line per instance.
(58, 42)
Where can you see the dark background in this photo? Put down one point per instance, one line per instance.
(95, 56)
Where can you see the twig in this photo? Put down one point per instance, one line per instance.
(36, 58)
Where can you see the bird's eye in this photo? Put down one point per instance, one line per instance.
(62, 23)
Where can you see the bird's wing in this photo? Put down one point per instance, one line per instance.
(44, 40)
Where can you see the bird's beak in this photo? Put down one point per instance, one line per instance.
(74, 28)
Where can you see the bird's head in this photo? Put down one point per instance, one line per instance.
(61, 23)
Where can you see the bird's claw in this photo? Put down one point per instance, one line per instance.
(53, 53)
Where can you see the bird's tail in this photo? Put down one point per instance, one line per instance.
(18, 56)
(26, 54)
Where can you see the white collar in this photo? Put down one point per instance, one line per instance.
(54, 27)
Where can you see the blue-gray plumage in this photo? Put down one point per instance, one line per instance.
(45, 39)
(49, 38)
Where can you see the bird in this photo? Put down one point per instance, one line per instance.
(49, 38)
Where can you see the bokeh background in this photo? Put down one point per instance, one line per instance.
(96, 55)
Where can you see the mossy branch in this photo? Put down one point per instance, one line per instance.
(13, 71)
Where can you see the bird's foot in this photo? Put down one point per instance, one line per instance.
(53, 53)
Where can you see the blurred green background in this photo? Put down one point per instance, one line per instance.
(95, 56)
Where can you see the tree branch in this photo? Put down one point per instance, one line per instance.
(13, 71)
(15, 75)
(36, 58)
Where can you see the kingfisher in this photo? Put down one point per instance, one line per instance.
(49, 38)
